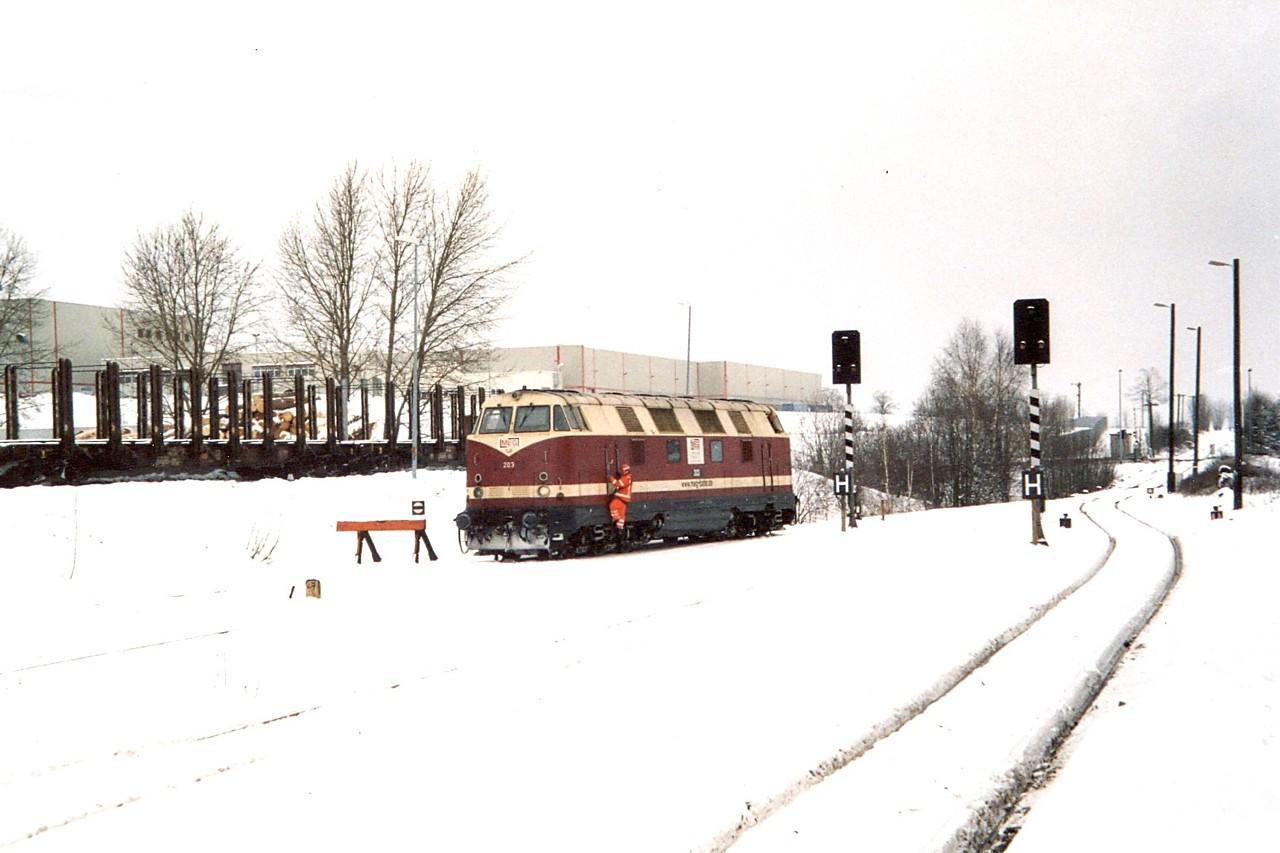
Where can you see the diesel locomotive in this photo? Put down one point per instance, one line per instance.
(539, 464)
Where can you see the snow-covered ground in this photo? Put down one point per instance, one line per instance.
(160, 687)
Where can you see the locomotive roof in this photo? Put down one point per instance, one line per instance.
(653, 401)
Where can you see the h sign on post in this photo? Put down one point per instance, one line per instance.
(1033, 484)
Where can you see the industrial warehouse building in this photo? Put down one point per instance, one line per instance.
(583, 368)
(90, 335)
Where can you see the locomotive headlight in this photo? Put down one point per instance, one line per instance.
(542, 477)
(544, 490)
(477, 492)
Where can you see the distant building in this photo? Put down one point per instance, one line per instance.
(582, 368)
(88, 335)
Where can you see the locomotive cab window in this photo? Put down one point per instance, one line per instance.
(560, 419)
(533, 419)
(496, 419)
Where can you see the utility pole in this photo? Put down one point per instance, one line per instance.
(1171, 483)
(1195, 413)
(1238, 481)
(1077, 384)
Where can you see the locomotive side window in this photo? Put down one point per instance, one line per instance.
(776, 423)
(673, 450)
(576, 420)
(496, 419)
(739, 422)
(533, 419)
(748, 451)
(708, 420)
(559, 419)
(665, 420)
(717, 450)
(637, 451)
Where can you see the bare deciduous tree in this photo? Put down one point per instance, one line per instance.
(17, 270)
(404, 201)
(462, 287)
(20, 312)
(326, 280)
(191, 294)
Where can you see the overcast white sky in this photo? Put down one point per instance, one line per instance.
(789, 169)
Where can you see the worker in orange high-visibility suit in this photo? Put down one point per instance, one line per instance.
(620, 498)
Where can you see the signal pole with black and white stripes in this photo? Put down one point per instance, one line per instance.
(1031, 346)
(846, 370)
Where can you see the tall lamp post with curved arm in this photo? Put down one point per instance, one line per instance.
(413, 388)
(1195, 413)
(1237, 485)
(1171, 482)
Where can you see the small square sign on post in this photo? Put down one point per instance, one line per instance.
(1033, 484)
(842, 482)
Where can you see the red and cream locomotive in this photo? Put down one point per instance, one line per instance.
(539, 464)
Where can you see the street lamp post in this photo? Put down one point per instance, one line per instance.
(413, 388)
(1195, 413)
(688, 346)
(1238, 480)
(1120, 397)
(1171, 483)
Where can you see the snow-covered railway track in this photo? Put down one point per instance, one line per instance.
(946, 768)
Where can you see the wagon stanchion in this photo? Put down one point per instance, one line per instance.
(66, 407)
(140, 383)
(390, 425)
(312, 406)
(437, 419)
(268, 406)
(99, 404)
(331, 414)
(299, 412)
(215, 416)
(115, 430)
(11, 421)
(157, 408)
(197, 411)
(179, 407)
(233, 415)
(364, 409)
(246, 407)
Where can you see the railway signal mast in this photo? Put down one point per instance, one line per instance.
(846, 370)
(1031, 346)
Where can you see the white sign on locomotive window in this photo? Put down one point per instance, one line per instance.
(696, 456)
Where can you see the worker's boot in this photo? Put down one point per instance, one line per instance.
(623, 545)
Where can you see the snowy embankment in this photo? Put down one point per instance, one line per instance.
(160, 686)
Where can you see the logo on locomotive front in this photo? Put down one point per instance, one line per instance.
(509, 443)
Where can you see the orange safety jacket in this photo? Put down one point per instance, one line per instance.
(623, 486)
